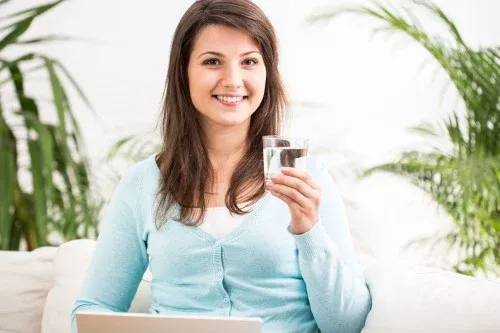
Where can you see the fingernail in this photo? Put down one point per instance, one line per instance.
(274, 176)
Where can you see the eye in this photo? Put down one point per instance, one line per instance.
(211, 62)
(250, 62)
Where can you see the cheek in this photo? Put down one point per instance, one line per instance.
(198, 87)
(201, 84)
(258, 82)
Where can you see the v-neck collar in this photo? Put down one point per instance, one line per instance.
(249, 219)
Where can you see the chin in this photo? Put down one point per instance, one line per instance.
(232, 119)
(232, 122)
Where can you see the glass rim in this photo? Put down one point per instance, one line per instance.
(283, 137)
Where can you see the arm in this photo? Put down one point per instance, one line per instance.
(339, 298)
(120, 257)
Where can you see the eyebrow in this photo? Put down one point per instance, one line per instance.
(221, 55)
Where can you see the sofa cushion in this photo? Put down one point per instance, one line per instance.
(26, 280)
(419, 299)
(70, 266)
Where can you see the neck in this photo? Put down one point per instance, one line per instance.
(225, 147)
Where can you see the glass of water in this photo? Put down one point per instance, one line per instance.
(282, 151)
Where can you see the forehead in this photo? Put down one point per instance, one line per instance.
(223, 39)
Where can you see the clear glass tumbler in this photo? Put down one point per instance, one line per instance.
(282, 151)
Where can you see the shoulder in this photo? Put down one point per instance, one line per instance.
(314, 161)
(131, 184)
(141, 169)
(316, 167)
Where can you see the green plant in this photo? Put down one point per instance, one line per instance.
(464, 181)
(55, 198)
(135, 147)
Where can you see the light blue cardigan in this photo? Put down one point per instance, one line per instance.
(294, 283)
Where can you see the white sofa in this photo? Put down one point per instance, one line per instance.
(38, 289)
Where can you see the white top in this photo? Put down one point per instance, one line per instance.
(218, 221)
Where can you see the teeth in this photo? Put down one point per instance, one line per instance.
(230, 99)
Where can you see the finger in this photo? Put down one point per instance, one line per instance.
(300, 174)
(295, 183)
(283, 197)
(290, 192)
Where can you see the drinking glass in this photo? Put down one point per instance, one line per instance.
(283, 151)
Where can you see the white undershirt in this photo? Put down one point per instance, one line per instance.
(218, 221)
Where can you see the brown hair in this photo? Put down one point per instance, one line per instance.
(184, 165)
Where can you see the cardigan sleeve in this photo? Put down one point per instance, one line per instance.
(120, 257)
(337, 292)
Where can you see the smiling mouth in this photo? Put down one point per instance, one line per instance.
(230, 100)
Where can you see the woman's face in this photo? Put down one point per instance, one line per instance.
(226, 75)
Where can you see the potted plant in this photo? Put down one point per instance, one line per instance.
(464, 181)
(56, 198)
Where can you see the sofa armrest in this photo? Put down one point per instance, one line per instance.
(70, 266)
(26, 278)
(420, 299)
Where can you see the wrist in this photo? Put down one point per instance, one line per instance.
(299, 228)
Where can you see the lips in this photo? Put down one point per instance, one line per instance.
(230, 100)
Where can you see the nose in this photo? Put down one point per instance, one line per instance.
(232, 77)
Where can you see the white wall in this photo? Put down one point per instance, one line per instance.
(372, 90)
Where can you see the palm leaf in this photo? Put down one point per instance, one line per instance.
(18, 30)
(8, 172)
(43, 39)
(39, 195)
(135, 147)
(46, 149)
(15, 77)
(31, 12)
(75, 85)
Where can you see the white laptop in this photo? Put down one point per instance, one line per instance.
(91, 322)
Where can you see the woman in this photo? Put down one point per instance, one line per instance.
(198, 212)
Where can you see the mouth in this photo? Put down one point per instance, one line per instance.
(230, 100)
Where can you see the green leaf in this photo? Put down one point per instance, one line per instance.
(75, 85)
(115, 148)
(31, 13)
(76, 136)
(61, 102)
(40, 202)
(427, 129)
(43, 39)
(9, 176)
(57, 95)
(439, 12)
(12, 37)
(16, 77)
(46, 146)
(67, 197)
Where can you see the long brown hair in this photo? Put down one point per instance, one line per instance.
(185, 168)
